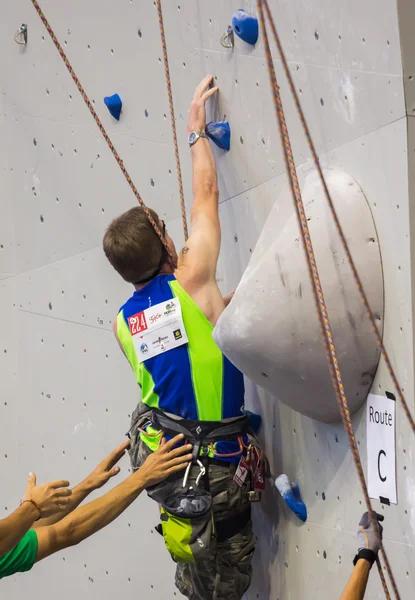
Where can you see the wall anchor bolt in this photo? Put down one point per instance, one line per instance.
(228, 38)
(20, 37)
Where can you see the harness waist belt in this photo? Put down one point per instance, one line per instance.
(201, 431)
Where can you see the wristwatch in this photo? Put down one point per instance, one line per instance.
(194, 136)
(367, 554)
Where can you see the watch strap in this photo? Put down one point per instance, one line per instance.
(199, 134)
(366, 554)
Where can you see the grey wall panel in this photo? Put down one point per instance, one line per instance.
(335, 49)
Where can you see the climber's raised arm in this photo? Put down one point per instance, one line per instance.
(196, 269)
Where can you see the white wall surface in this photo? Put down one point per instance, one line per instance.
(66, 392)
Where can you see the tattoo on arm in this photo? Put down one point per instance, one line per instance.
(185, 250)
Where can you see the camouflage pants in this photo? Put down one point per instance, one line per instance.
(226, 573)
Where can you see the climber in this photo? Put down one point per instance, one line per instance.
(369, 538)
(47, 521)
(165, 331)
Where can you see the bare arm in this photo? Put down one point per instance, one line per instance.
(196, 269)
(369, 538)
(356, 587)
(87, 520)
(47, 499)
(115, 332)
(95, 480)
(14, 527)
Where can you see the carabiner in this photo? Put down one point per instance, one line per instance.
(186, 474)
(201, 474)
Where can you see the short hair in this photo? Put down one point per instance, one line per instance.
(132, 246)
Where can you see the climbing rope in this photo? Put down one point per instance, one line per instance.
(349, 257)
(100, 125)
(172, 118)
(316, 285)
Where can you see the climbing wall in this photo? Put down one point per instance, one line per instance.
(66, 393)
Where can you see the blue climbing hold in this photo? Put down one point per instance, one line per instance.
(245, 26)
(114, 105)
(292, 497)
(220, 134)
(254, 420)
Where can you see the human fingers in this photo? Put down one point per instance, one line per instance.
(115, 455)
(166, 447)
(203, 86)
(60, 483)
(180, 451)
(209, 93)
(63, 492)
(177, 468)
(32, 480)
(179, 461)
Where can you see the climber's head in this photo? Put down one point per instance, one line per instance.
(135, 250)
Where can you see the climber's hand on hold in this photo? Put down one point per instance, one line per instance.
(197, 112)
(370, 532)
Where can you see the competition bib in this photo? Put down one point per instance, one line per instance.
(158, 329)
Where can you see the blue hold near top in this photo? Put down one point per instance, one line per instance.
(220, 133)
(245, 26)
(114, 105)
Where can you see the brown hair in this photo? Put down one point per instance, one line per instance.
(132, 246)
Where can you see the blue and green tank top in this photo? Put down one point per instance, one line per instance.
(194, 381)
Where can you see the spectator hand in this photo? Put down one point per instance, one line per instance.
(165, 461)
(51, 498)
(106, 469)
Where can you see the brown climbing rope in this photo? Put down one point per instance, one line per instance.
(316, 285)
(172, 118)
(356, 276)
(100, 125)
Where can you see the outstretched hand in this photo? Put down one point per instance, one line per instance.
(106, 468)
(51, 498)
(197, 111)
(165, 461)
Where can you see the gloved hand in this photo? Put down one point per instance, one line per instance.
(370, 532)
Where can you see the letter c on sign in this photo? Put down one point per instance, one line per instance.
(383, 479)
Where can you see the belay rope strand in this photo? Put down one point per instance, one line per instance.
(172, 118)
(317, 289)
(100, 125)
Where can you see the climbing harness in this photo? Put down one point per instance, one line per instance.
(313, 271)
(100, 125)
(187, 523)
(20, 37)
(172, 118)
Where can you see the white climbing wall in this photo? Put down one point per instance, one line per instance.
(66, 392)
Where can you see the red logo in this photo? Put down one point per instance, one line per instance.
(154, 318)
(137, 323)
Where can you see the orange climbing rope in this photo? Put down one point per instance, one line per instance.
(315, 278)
(172, 118)
(100, 125)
